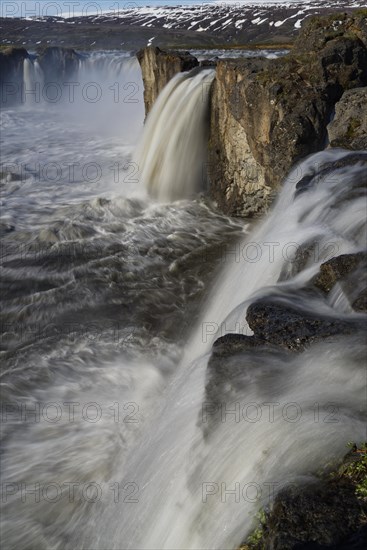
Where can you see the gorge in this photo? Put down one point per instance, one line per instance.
(184, 315)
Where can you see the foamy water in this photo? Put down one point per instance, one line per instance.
(110, 435)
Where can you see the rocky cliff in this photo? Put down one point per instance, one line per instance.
(268, 114)
(158, 67)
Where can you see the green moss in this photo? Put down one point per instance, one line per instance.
(255, 541)
(353, 468)
(356, 471)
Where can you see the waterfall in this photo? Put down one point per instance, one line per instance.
(98, 285)
(115, 78)
(33, 81)
(105, 91)
(185, 479)
(172, 153)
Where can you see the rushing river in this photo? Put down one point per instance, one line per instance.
(111, 303)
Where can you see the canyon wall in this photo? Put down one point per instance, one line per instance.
(158, 67)
(267, 114)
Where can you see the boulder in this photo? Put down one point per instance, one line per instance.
(349, 126)
(339, 268)
(316, 516)
(350, 271)
(289, 326)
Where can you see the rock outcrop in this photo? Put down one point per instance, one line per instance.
(349, 126)
(268, 114)
(328, 512)
(339, 268)
(349, 271)
(158, 67)
(293, 328)
(320, 30)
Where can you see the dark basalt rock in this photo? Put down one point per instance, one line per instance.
(235, 343)
(338, 269)
(292, 328)
(325, 514)
(321, 515)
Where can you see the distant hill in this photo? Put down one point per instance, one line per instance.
(204, 25)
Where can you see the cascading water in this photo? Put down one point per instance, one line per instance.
(118, 89)
(33, 81)
(109, 436)
(185, 477)
(105, 92)
(172, 153)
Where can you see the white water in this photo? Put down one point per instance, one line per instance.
(33, 78)
(176, 467)
(172, 154)
(142, 265)
(106, 93)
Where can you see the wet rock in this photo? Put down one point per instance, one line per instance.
(319, 173)
(293, 328)
(349, 126)
(320, 515)
(6, 228)
(7, 176)
(235, 343)
(350, 271)
(338, 268)
(305, 254)
(328, 512)
(360, 303)
(209, 62)
(158, 67)
(233, 367)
